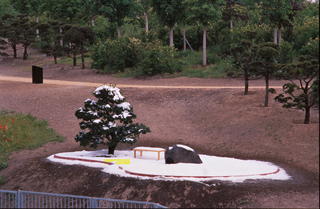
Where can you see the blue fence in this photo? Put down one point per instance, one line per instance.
(26, 199)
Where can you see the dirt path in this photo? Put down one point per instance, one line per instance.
(214, 118)
(73, 83)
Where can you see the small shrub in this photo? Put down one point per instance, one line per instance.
(3, 164)
(114, 56)
(213, 59)
(160, 61)
(2, 181)
(311, 48)
(189, 58)
(286, 53)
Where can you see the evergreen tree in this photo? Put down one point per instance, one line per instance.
(244, 55)
(8, 29)
(110, 117)
(305, 94)
(78, 36)
(3, 43)
(27, 31)
(266, 66)
(3, 47)
(50, 35)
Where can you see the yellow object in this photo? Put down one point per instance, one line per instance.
(117, 161)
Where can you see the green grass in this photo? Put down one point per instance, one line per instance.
(69, 60)
(18, 131)
(129, 72)
(219, 70)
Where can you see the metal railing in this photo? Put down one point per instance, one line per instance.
(27, 199)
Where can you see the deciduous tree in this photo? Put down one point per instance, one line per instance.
(117, 10)
(169, 13)
(204, 12)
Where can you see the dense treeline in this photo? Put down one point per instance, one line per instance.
(248, 38)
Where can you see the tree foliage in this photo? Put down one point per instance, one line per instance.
(6, 8)
(109, 118)
(30, 7)
(64, 10)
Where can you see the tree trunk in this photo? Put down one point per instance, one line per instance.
(204, 58)
(246, 82)
(25, 53)
(111, 149)
(119, 33)
(14, 47)
(61, 41)
(92, 21)
(231, 26)
(279, 36)
(184, 38)
(307, 106)
(74, 59)
(37, 20)
(82, 57)
(147, 25)
(171, 36)
(275, 35)
(307, 115)
(267, 88)
(55, 59)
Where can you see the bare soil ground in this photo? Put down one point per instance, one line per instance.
(221, 122)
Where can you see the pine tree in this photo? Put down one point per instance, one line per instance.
(50, 35)
(110, 117)
(303, 90)
(266, 66)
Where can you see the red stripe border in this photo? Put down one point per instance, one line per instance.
(172, 176)
(81, 159)
(167, 176)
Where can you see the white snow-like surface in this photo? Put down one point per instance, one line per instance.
(114, 91)
(148, 167)
(125, 105)
(124, 114)
(185, 147)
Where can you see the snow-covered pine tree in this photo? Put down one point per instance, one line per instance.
(110, 118)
